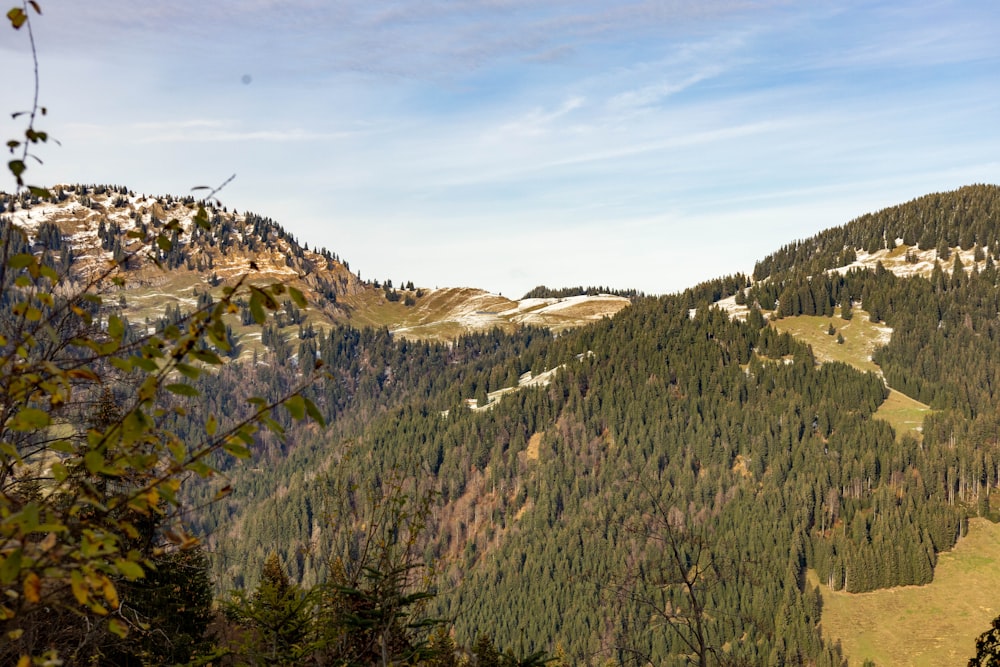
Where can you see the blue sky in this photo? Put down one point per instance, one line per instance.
(503, 144)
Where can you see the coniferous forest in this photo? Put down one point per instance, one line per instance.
(659, 501)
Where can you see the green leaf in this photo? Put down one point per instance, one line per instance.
(59, 472)
(272, 425)
(314, 412)
(21, 260)
(211, 425)
(94, 461)
(83, 373)
(135, 424)
(30, 419)
(297, 297)
(268, 301)
(17, 167)
(147, 365)
(296, 406)
(164, 243)
(207, 356)
(189, 371)
(237, 450)
(62, 446)
(10, 566)
(129, 569)
(118, 628)
(201, 218)
(182, 390)
(200, 468)
(256, 309)
(115, 327)
(79, 587)
(29, 518)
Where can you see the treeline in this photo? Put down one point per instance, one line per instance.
(543, 292)
(195, 250)
(961, 218)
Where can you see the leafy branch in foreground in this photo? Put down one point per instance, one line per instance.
(90, 468)
(20, 149)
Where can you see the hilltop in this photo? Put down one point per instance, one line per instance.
(97, 230)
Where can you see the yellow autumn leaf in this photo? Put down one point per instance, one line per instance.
(32, 587)
(79, 587)
(110, 593)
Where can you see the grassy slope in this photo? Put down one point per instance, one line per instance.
(928, 625)
(437, 315)
(444, 314)
(902, 412)
(861, 337)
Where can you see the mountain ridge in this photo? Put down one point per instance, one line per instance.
(670, 420)
(102, 228)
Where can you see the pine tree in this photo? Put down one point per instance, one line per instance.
(278, 617)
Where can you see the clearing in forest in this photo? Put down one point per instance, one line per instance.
(861, 337)
(930, 625)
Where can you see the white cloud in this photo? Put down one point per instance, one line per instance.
(627, 131)
(179, 125)
(538, 121)
(210, 136)
(649, 95)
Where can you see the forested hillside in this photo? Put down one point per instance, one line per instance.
(661, 497)
(770, 461)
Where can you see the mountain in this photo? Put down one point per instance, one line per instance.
(91, 225)
(670, 484)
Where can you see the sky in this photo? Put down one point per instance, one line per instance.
(504, 144)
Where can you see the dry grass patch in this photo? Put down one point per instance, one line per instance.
(861, 337)
(534, 445)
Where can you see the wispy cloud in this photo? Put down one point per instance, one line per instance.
(539, 121)
(180, 125)
(634, 124)
(421, 39)
(205, 136)
(655, 93)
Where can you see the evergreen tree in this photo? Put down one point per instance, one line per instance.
(277, 617)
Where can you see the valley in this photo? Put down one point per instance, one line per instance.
(769, 458)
